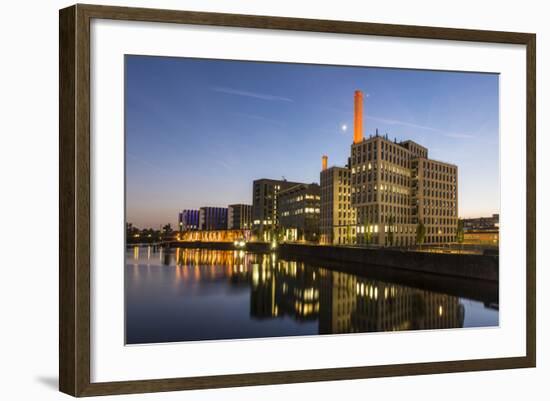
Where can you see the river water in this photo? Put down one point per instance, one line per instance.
(192, 294)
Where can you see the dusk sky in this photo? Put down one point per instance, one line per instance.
(198, 132)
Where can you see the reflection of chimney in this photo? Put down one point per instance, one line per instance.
(358, 118)
(325, 162)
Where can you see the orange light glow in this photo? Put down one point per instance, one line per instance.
(358, 118)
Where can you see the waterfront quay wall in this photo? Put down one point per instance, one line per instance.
(482, 267)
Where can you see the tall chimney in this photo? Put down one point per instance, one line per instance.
(325, 162)
(358, 118)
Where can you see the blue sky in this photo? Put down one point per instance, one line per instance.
(198, 132)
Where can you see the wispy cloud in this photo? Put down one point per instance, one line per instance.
(424, 127)
(144, 162)
(403, 123)
(460, 136)
(217, 152)
(257, 117)
(224, 163)
(255, 95)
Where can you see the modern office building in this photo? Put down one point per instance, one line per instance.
(239, 217)
(401, 196)
(188, 220)
(299, 211)
(338, 219)
(213, 218)
(435, 199)
(265, 194)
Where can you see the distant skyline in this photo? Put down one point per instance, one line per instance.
(199, 131)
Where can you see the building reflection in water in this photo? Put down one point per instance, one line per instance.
(351, 304)
(339, 302)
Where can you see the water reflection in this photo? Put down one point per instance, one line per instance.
(192, 294)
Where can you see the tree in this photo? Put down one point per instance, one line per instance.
(368, 234)
(420, 233)
(391, 222)
(275, 233)
(132, 233)
(167, 229)
(460, 231)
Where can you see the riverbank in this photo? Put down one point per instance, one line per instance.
(464, 266)
(480, 267)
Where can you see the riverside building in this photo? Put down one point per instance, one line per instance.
(188, 220)
(265, 199)
(213, 218)
(401, 197)
(338, 218)
(299, 210)
(239, 217)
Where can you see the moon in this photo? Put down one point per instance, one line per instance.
(344, 127)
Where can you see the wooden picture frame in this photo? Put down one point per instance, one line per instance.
(74, 203)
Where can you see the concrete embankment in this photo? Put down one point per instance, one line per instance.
(480, 267)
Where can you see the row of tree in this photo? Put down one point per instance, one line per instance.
(149, 235)
(420, 232)
(146, 235)
(277, 233)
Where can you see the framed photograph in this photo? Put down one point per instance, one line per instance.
(250, 200)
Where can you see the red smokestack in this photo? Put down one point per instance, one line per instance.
(358, 118)
(325, 162)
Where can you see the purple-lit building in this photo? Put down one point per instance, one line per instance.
(213, 218)
(188, 220)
